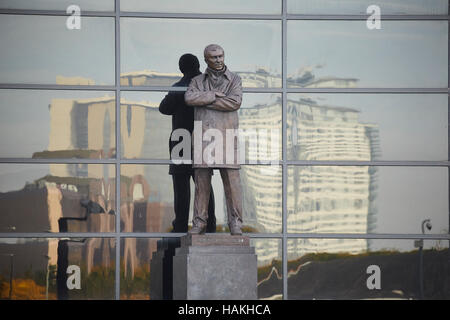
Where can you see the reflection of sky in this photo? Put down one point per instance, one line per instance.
(401, 245)
(408, 195)
(401, 54)
(142, 96)
(204, 6)
(411, 126)
(157, 44)
(97, 5)
(250, 100)
(360, 6)
(14, 176)
(36, 49)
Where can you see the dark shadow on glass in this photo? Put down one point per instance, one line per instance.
(161, 266)
(91, 208)
(61, 269)
(63, 245)
(174, 105)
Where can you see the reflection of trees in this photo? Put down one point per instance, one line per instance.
(270, 280)
(24, 289)
(98, 284)
(31, 286)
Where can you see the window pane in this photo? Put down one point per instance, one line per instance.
(360, 6)
(150, 59)
(98, 5)
(270, 270)
(345, 54)
(147, 203)
(57, 124)
(367, 269)
(57, 198)
(204, 6)
(367, 127)
(52, 269)
(346, 199)
(42, 50)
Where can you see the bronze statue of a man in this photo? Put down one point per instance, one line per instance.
(216, 96)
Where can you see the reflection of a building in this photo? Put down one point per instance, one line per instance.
(326, 199)
(330, 199)
(79, 128)
(41, 205)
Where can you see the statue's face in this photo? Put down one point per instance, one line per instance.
(215, 59)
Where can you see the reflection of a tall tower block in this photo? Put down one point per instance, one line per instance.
(132, 129)
(60, 125)
(82, 124)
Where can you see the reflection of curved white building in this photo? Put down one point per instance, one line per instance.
(319, 132)
(262, 186)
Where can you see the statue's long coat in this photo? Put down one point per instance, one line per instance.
(219, 113)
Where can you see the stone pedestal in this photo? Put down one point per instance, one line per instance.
(214, 267)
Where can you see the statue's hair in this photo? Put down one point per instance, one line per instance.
(212, 47)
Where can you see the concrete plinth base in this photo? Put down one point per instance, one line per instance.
(214, 267)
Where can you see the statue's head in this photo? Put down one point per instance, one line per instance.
(214, 56)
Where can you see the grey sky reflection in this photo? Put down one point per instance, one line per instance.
(97, 5)
(27, 112)
(38, 49)
(204, 6)
(360, 6)
(157, 44)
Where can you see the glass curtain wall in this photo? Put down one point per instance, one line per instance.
(345, 116)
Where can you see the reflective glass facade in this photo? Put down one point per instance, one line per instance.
(346, 171)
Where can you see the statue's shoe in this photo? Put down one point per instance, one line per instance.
(197, 230)
(235, 231)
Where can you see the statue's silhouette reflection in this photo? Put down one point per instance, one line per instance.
(183, 118)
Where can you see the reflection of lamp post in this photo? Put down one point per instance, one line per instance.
(425, 223)
(11, 272)
(46, 277)
(9, 228)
